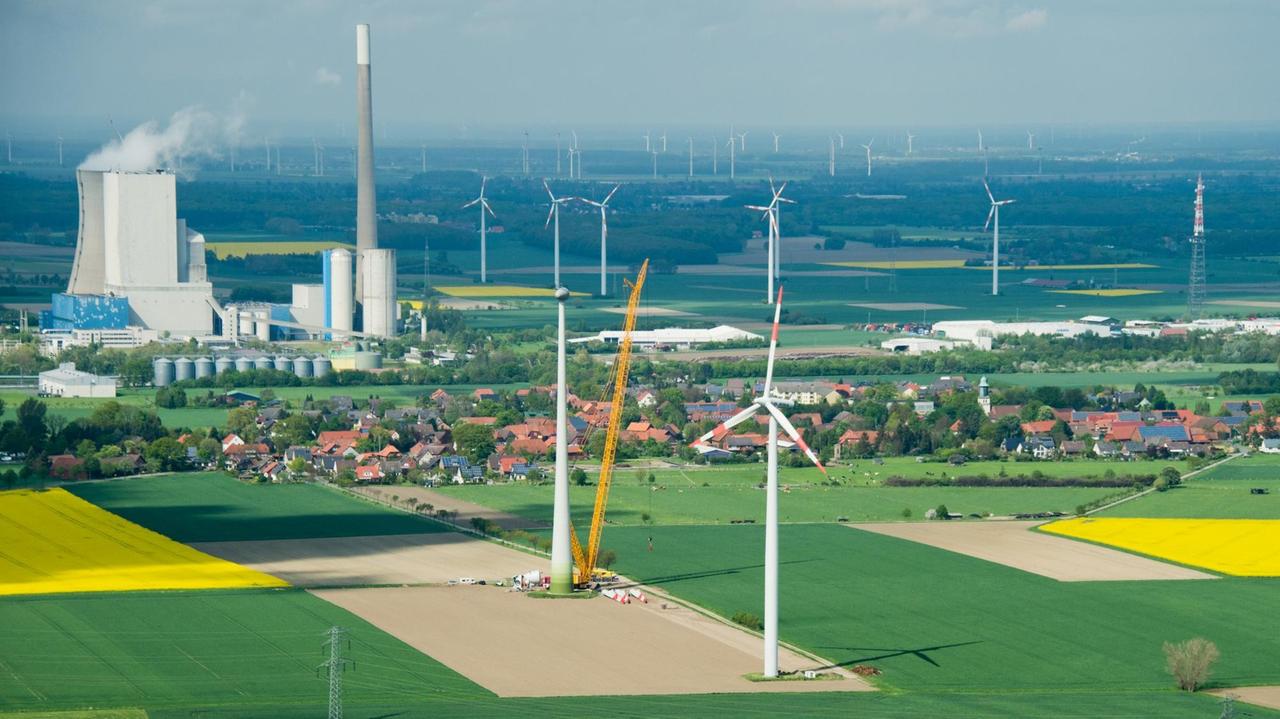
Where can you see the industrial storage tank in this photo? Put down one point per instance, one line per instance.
(243, 364)
(204, 367)
(338, 291)
(222, 364)
(263, 362)
(379, 305)
(321, 366)
(368, 360)
(260, 326)
(163, 368)
(302, 366)
(284, 364)
(183, 368)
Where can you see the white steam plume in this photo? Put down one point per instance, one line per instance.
(192, 132)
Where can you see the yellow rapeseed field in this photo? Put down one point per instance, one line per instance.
(223, 250)
(54, 542)
(498, 291)
(1107, 293)
(1239, 547)
(901, 264)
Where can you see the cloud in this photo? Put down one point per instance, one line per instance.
(1027, 20)
(325, 76)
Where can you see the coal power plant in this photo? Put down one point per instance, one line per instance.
(140, 274)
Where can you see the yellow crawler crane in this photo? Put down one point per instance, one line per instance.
(585, 562)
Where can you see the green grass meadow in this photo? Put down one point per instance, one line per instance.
(1222, 492)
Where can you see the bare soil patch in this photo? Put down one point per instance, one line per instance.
(1013, 544)
(622, 649)
(391, 559)
(439, 500)
(903, 306)
(1268, 697)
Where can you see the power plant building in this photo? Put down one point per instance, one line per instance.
(380, 309)
(131, 244)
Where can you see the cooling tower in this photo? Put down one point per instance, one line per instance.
(90, 259)
(380, 310)
(338, 295)
(366, 200)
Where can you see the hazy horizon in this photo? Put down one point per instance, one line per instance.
(452, 69)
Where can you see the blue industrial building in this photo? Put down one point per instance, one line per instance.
(85, 312)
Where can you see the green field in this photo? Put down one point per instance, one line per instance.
(253, 654)
(211, 507)
(938, 621)
(1222, 492)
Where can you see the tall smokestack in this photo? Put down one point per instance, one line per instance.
(366, 200)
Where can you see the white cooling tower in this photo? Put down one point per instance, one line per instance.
(90, 260)
(380, 310)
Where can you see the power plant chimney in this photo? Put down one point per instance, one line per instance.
(366, 200)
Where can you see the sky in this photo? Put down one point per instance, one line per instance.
(453, 67)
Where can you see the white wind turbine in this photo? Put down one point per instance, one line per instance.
(773, 244)
(484, 207)
(767, 402)
(59, 150)
(776, 137)
(604, 235)
(841, 136)
(646, 141)
(980, 148)
(867, 147)
(733, 146)
(554, 214)
(654, 153)
(690, 157)
(1031, 140)
(910, 146)
(995, 240)
(831, 157)
(663, 137)
(742, 137)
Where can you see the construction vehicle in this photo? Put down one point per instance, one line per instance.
(585, 572)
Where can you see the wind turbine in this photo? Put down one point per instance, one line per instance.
(575, 159)
(690, 157)
(524, 161)
(831, 157)
(646, 141)
(59, 150)
(867, 147)
(841, 136)
(1031, 140)
(655, 163)
(910, 138)
(733, 146)
(266, 144)
(484, 207)
(554, 214)
(663, 137)
(767, 402)
(980, 147)
(604, 235)
(995, 241)
(776, 136)
(715, 156)
(424, 157)
(742, 137)
(775, 234)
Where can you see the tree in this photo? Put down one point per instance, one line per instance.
(1171, 476)
(31, 419)
(1191, 662)
(167, 453)
(474, 440)
(942, 512)
(606, 559)
(578, 476)
(243, 422)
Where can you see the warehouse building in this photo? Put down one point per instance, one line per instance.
(672, 337)
(67, 381)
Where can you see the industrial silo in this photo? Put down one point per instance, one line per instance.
(263, 362)
(222, 364)
(204, 367)
(338, 291)
(260, 326)
(243, 364)
(380, 309)
(302, 366)
(183, 369)
(321, 366)
(163, 368)
(368, 360)
(283, 364)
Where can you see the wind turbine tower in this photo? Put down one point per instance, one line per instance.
(59, 151)
(484, 207)
(910, 146)
(691, 158)
(604, 236)
(554, 215)
(776, 137)
(777, 420)
(867, 147)
(524, 153)
(561, 562)
(995, 239)
(1031, 140)
(1196, 290)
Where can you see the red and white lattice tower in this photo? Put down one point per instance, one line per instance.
(1196, 287)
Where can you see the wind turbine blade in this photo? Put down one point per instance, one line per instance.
(987, 187)
(990, 214)
(793, 434)
(483, 181)
(550, 213)
(610, 195)
(549, 192)
(773, 339)
(490, 209)
(730, 423)
(469, 204)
